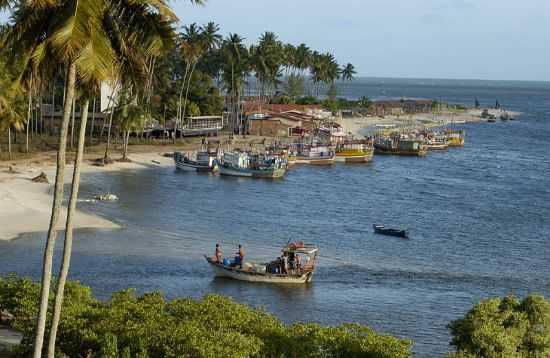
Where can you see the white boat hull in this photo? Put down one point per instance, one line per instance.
(250, 276)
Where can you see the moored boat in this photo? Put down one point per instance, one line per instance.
(436, 141)
(295, 266)
(382, 230)
(242, 164)
(354, 152)
(205, 161)
(398, 145)
(504, 116)
(455, 137)
(313, 155)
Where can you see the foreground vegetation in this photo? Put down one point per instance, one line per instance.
(150, 326)
(504, 327)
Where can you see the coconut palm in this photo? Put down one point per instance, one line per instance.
(12, 111)
(196, 41)
(145, 44)
(236, 68)
(266, 60)
(347, 72)
(81, 36)
(46, 34)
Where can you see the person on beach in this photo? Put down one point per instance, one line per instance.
(218, 254)
(241, 256)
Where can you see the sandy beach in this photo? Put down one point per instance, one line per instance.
(364, 125)
(25, 206)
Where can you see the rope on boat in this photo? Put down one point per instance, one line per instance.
(175, 235)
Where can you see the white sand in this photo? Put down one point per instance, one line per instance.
(25, 206)
(358, 125)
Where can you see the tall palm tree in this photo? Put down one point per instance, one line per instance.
(266, 60)
(197, 42)
(154, 21)
(11, 111)
(348, 72)
(46, 34)
(236, 69)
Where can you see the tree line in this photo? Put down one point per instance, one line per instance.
(171, 76)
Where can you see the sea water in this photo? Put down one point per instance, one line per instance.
(478, 219)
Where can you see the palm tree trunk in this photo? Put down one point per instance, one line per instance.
(107, 147)
(125, 140)
(179, 116)
(29, 114)
(68, 244)
(9, 141)
(72, 123)
(187, 92)
(93, 123)
(53, 108)
(56, 209)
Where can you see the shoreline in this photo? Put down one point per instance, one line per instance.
(361, 126)
(25, 206)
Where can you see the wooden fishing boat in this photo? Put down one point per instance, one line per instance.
(354, 152)
(382, 230)
(400, 146)
(436, 142)
(242, 164)
(205, 161)
(455, 137)
(313, 155)
(272, 272)
(504, 116)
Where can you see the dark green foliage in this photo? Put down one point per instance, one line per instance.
(308, 100)
(150, 326)
(504, 327)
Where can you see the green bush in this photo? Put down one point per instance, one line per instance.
(504, 327)
(150, 326)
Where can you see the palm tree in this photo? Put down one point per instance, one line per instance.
(236, 69)
(11, 111)
(347, 72)
(196, 42)
(46, 34)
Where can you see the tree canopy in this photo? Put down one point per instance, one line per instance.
(151, 326)
(504, 327)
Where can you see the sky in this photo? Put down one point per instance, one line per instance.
(477, 39)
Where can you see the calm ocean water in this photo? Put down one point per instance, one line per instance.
(478, 218)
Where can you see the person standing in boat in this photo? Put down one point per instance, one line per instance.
(218, 254)
(241, 256)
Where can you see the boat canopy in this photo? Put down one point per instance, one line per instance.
(301, 248)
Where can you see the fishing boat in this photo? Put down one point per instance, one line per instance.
(204, 162)
(504, 116)
(455, 137)
(296, 265)
(382, 230)
(243, 164)
(436, 141)
(313, 155)
(399, 145)
(354, 152)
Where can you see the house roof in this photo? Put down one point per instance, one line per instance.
(250, 107)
